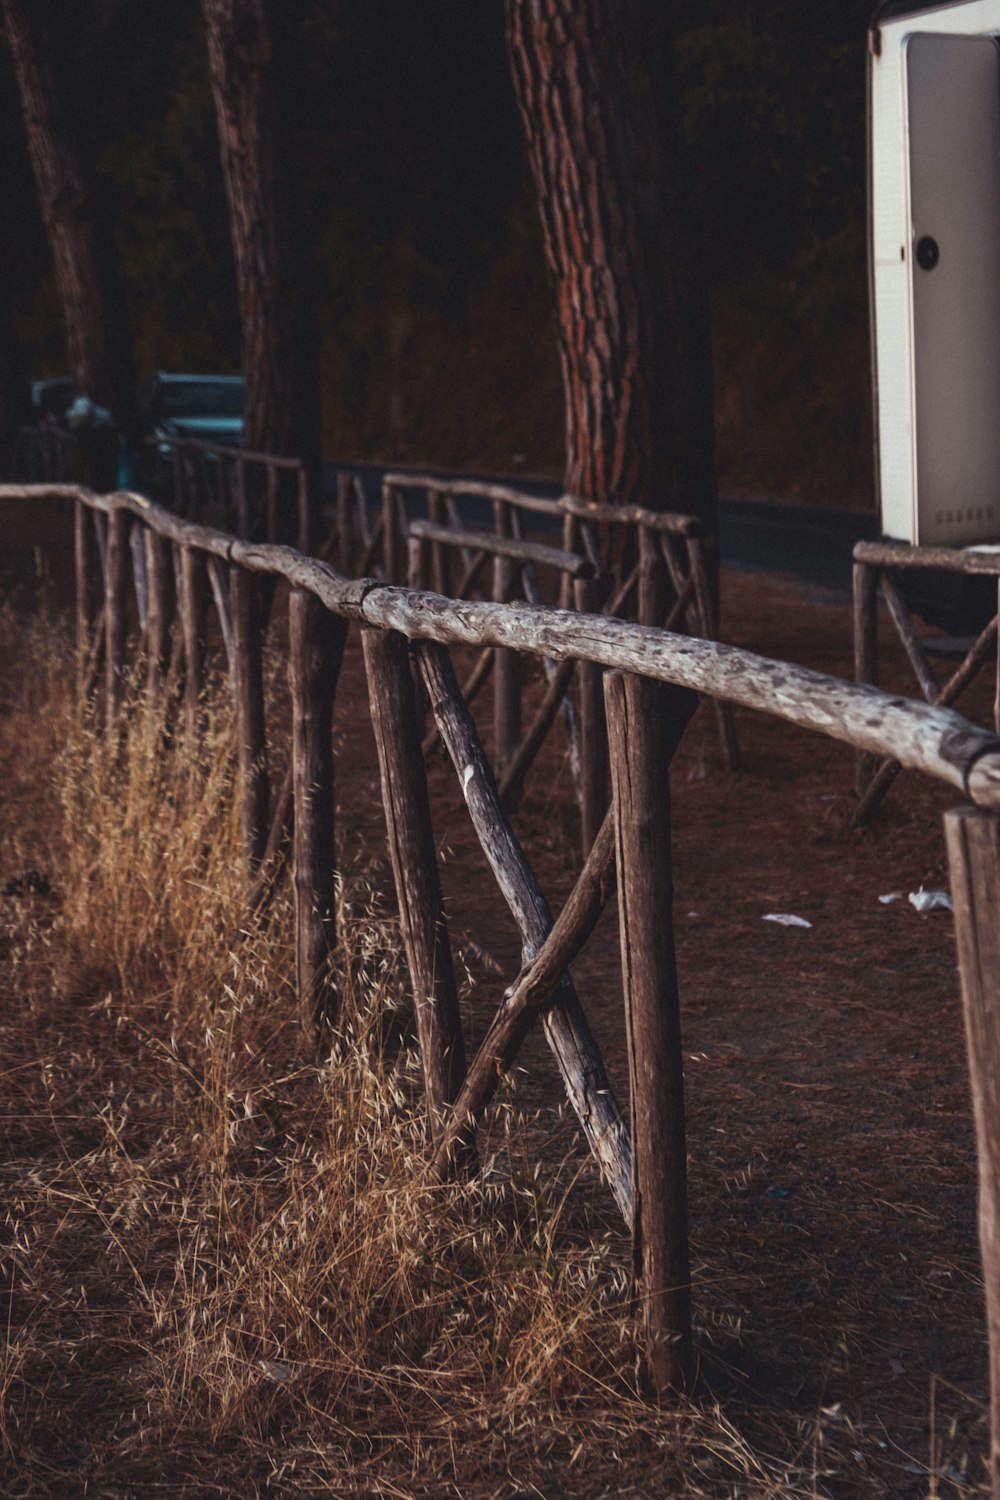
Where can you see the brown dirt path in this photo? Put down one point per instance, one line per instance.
(833, 1201)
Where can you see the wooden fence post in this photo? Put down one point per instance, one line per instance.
(158, 627)
(344, 528)
(248, 696)
(316, 647)
(83, 557)
(114, 614)
(193, 611)
(593, 733)
(415, 868)
(865, 655)
(506, 678)
(973, 839)
(639, 730)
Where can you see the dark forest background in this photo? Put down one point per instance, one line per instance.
(437, 331)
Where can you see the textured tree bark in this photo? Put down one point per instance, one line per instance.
(98, 342)
(250, 43)
(594, 83)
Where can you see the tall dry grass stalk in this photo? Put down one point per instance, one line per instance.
(227, 1270)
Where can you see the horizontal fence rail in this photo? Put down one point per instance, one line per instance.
(937, 741)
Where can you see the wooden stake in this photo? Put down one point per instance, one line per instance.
(973, 839)
(566, 1028)
(344, 529)
(506, 679)
(114, 614)
(316, 647)
(640, 735)
(594, 795)
(248, 694)
(193, 610)
(83, 557)
(158, 632)
(415, 868)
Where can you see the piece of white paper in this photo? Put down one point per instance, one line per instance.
(785, 919)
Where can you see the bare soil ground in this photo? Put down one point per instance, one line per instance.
(837, 1294)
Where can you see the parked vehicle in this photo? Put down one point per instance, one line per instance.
(209, 407)
(52, 399)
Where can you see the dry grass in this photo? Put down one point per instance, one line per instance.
(226, 1271)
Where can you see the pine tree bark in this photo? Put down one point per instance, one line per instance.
(251, 56)
(98, 341)
(595, 88)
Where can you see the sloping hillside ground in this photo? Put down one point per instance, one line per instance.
(167, 1329)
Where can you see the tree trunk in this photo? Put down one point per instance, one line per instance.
(595, 87)
(98, 341)
(250, 49)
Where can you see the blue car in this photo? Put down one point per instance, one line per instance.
(209, 407)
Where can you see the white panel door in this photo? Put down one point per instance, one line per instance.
(953, 126)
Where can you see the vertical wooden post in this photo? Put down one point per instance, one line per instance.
(248, 695)
(316, 647)
(652, 579)
(306, 528)
(193, 611)
(865, 655)
(640, 733)
(242, 505)
(506, 678)
(415, 868)
(708, 619)
(344, 531)
(114, 614)
(158, 630)
(391, 539)
(83, 559)
(973, 840)
(418, 555)
(593, 734)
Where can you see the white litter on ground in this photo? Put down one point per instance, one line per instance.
(930, 900)
(785, 919)
(891, 897)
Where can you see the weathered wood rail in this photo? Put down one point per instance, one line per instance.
(649, 678)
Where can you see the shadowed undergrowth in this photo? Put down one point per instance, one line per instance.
(226, 1269)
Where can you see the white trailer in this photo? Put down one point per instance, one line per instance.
(934, 263)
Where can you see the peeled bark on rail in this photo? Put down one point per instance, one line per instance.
(973, 840)
(248, 694)
(392, 701)
(643, 739)
(316, 649)
(251, 50)
(566, 1028)
(98, 343)
(595, 84)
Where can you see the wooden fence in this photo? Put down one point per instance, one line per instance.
(252, 494)
(650, 677)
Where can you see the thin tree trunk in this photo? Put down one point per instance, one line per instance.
(594, 83)
(98, 342)
(250, 43)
